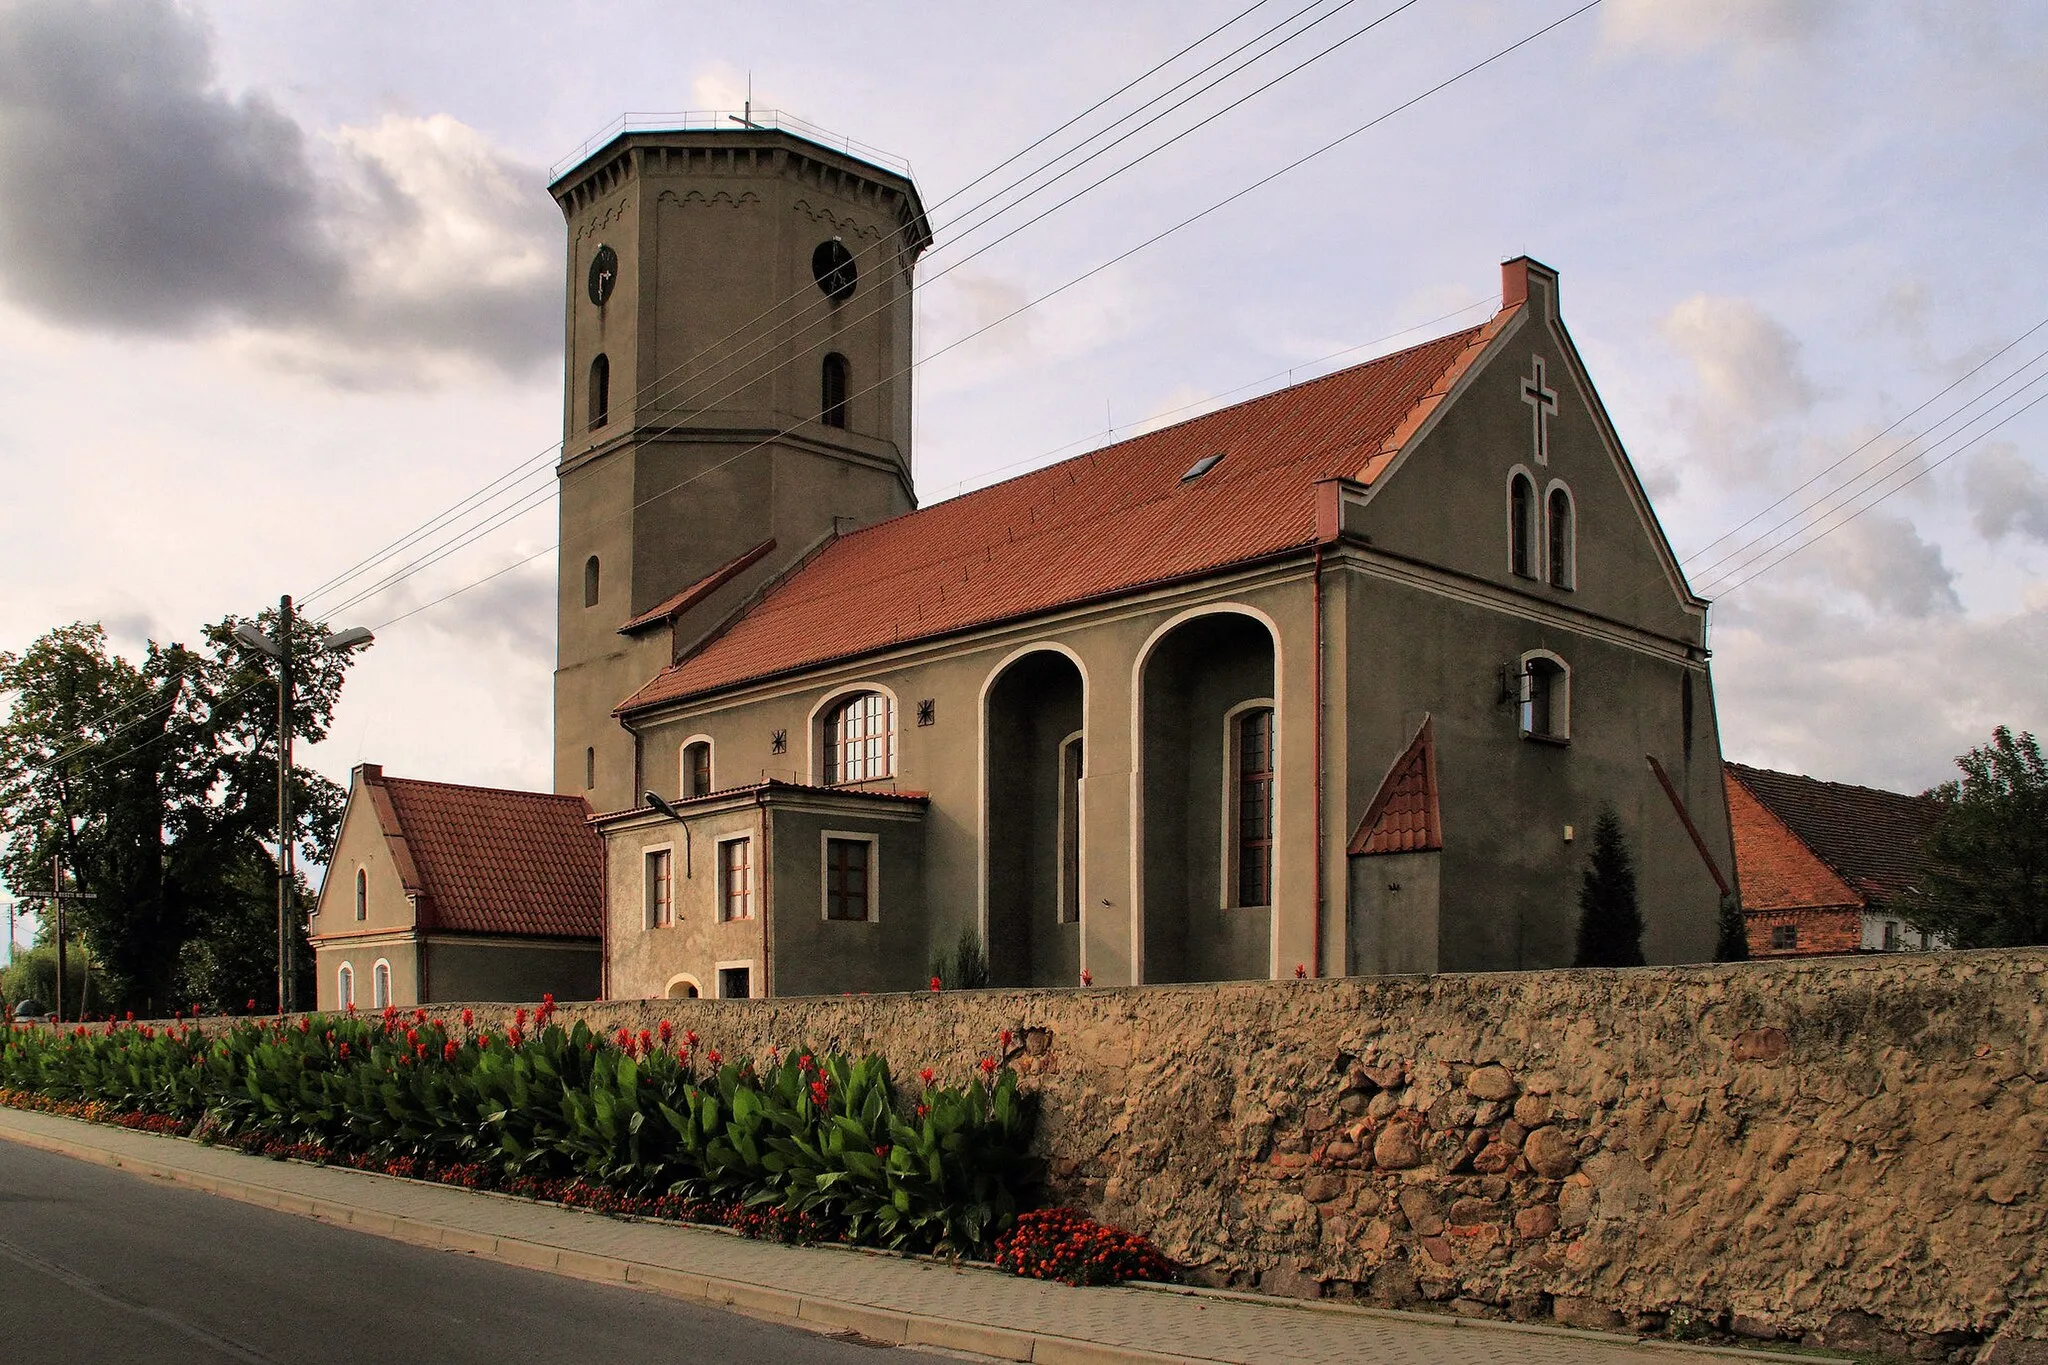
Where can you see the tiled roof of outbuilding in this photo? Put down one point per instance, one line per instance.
(1404, 816)
(1867, 841)
(491, 861)
(1117, 519)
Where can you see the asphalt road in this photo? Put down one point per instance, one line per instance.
(98, 1267)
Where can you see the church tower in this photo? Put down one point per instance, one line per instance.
(738, 337)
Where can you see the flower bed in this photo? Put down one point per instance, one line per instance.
(797, 1146)
(1060, 1244)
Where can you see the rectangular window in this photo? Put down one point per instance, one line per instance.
(1070, 831)
(847, 865)
(1784, 936)
(736, 879)
(660, 889)
(697, 760)
(1891, 936)
(735, 983)
(1254, 781)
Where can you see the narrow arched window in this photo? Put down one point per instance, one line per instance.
(1251, 750)
(600, 391)
(697, 768)
(345, 987)
(362, 894)
(832, 391)
(1562, 547)
(589, 769)
(858, 739)
(380, 985)
(1546, 701)
(1522, 526)
(590, 581)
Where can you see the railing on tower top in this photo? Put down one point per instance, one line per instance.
(699, 120)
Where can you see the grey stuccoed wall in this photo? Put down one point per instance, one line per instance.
(1768, 1146)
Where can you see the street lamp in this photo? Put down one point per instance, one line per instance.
(280, 649)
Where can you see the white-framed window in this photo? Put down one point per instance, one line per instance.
(736, 878)
(1545, 710)
(1249, 754)
(696, 767)
(344, 986)
(657, 887)
(362, 894)
(857, 739)
(682, 986)
(1073, 759)
(1523, 552)
(852, 876)
(380, 984)
(736, 980)
(1561, 536)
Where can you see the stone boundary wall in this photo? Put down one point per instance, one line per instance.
(1767, 1147)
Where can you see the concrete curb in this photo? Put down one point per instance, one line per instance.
(896, 1327)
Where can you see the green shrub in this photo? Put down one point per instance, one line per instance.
(822, 1138)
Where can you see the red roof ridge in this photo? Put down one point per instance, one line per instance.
(473, 787)
(1828, 782)
(1404, 816)
(1404, 431)
(1739, 835)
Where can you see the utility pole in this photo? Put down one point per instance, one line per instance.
(56, 896)
(280, 649)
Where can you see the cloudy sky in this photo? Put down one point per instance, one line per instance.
(280, 280)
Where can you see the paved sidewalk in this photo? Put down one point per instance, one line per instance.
(885, 1298)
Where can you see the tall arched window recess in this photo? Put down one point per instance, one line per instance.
(380, 984)
(697, 768)
(832, 390)
(1546, 697)
(590, 581)
(362, 894)
(600, 391)
(345, 987)
(858, 739)
(1522, 525)
(1250, 746)
(1562, 540)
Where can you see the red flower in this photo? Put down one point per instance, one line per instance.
(923, 1109)
(448, 1051)
(515, 1035)
(665, 1030)
(1300, 972)
(483, 1042)
(689, 1037)
(131, 1016)
(412, 1035)
(988, 1066)
(252, 1006)
(1006, 1040)
(1087, 977)
(344, 1049)
(926, 1076)
(468, 1018)
(935, 983)
(820, 1093)
(712, 1058)
(883, 1151)
(803, 1063)
(646, 1042)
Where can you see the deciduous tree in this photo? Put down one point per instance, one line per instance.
(1986, 881)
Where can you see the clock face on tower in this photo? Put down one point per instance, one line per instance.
(604, 274)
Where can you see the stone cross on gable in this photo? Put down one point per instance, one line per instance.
(1542, 401)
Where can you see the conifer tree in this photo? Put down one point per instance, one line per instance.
(1732, 939)
(1610, 924)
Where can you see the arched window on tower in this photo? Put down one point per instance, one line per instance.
(1522, 525)
(1563, 546)
(600, 391)
(362, 894)
(1546, 697)
(590, 583)
(832, 391)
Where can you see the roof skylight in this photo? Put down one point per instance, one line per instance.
(1202, 466)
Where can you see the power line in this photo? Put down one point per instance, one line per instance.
(1152, 240)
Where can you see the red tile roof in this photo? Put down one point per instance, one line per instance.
(1800, 841)
(689, 597)
(1108, 522)
(1404, 816)
(488, 861)
(771, 786)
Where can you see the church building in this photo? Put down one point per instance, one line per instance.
(1333, 681)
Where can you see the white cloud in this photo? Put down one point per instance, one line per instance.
(2006, 494)
(1747, 365)
(1882, 559)
(1685, 27)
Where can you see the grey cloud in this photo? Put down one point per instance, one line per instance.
(2006, 494)
(1882, 559)
(158, 203)
(514, 613)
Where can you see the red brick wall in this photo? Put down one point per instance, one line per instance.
(1837, 929)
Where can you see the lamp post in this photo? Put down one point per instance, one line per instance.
(280, 649)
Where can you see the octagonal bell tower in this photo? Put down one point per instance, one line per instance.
(738, 339)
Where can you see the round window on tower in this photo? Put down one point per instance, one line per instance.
(832, 267)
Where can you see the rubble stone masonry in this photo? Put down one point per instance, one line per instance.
(1767, 1147)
